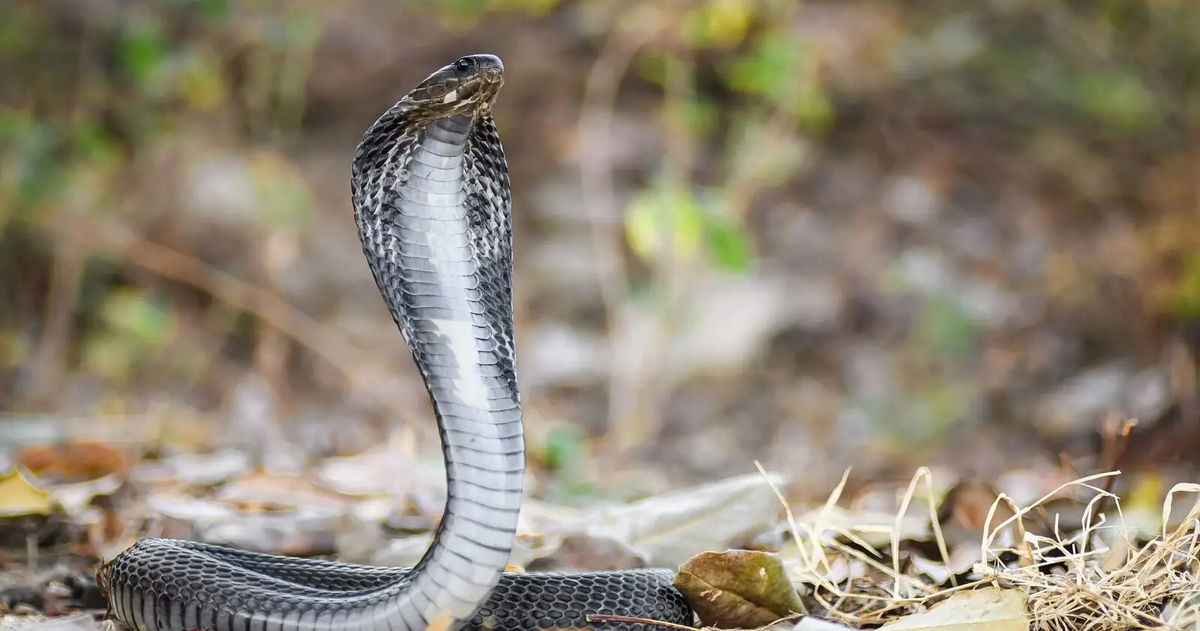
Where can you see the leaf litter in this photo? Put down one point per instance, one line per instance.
(1066, 577)
(1072, 559)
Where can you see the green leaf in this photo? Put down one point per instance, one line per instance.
(564, 447)
(661, 217)
(718, 23)
(92, 141)
(1184, 302)
(697, 223)
(566, 455)
(730, 245)
(213, 9)
(142, 49)
(1115, 99)
(771, 62)
(786, 72)
(144, 318)
(652, 66)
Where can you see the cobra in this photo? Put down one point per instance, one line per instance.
(432, 202)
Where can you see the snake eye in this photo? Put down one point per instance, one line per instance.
(462, 65)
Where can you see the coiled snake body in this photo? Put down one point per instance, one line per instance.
(432, 202)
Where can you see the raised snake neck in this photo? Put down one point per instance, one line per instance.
(432, 202)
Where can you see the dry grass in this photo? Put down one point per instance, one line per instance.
(1097, 575)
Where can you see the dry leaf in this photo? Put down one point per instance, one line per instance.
(989, 609)
(668, 529)
(18, 496)
(260, 490)
(873, 527)
(262, 511)
(738, 588)
(73, 462)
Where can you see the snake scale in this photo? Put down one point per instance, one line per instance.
(432, 202)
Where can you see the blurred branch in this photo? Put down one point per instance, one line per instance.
(269, 308)
(744, 184)
(46, 372)
(621, 47)
(1115, 433)
(595, 164)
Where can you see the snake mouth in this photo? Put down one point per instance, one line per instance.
(468, 84)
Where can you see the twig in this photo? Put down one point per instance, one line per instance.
(62, 299)
(266, 306)
(599, 203)
(235, 292)
(1116, 441)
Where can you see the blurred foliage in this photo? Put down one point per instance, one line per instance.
(177, 121)
(1185, 303)
(565, 456)
(142, 71)
(691, 224)
(136, 329)
(91, 102)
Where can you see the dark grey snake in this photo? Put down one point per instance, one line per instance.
(432, 201)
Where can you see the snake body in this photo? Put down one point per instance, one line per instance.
(432, 202)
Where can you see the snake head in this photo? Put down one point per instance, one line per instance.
(468, 84)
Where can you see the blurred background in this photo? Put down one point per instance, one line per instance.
(816, 234)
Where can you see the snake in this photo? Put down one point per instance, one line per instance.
(432, 202)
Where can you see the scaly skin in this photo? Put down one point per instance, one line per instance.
(432, 202)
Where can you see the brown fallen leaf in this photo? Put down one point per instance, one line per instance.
(738, 588)
(988, 609)
(73, 461)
